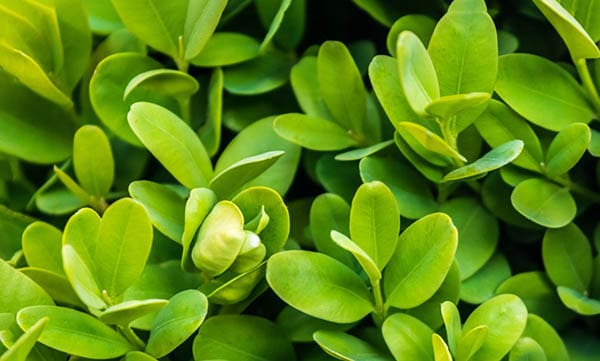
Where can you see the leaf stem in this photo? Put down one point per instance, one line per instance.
(132, 337)
(588, 83)
(380, 310)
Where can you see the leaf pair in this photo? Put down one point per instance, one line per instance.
(409, 278)
(101, 274)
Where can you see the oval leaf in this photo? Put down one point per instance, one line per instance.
(312, 132)
(427, 143)
(567, 148)
(74, 332)
(41, 245)
(125, 312)
(319, 285)
(544, 203)
(417, 74)
(450, 105)
(346, 347)
(166, 82)
(421, 261)
(172, 142)
(125, 236)
(578, 301)
(506, 313)
(224, 49)
(375, 221)
(541, 91)
(177, 321)
(408, 338)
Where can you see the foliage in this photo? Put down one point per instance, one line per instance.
(256, 180)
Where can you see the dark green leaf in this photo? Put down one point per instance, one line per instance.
(544, 203)
(482, 285)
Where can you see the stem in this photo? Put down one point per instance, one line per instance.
(184, 107)
(182, 64)
(380, 311)
(132, 337)
(588, 83)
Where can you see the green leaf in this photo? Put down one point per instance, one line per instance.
(225, 337)
(330, 212)
(420, 25)
(256, 200)
(102, 16)
(30, 73)
(417, 73)
(578, 301)
(586, 14)
(450, 105)
(541, 331)
(580, 45)
(346, 347)
(341, 178)
(319, 285)
(366, 262)
(257, 138)
(527, 349)
(541, 91)
(164, 206)
(12, 226)
(341, 86)
(108, 84)
(428, 144)
(55, 284)
(358, 154)
(492, 160)
(567, 147)
(408, 338)
(19, 291)
(236, 289)
(80, 240)
(20, 350)
(452, 323)
(471, 342)
(276, 23)
(172, 142)
(291, 30)
(464, 52)
(375, 221)
(506, 314)
(220, 239)
(479, 233)
(42, 247)
(539, 295)
(259, 75)
(230, 180)
(499, 124)
(421, 261)
(200, 23)
(544, 203)
(313, 132)
(567, 256)
(440, 349)
(210, 131)
(177, 321)
(74, 332)
(93, 161)
(383, 73)
(430, 171)
(126, 237)
(197, 207)
(125, 312)
(305, 84)
(449, 290)
(165, 82)
(225, 48)
(482, 285)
